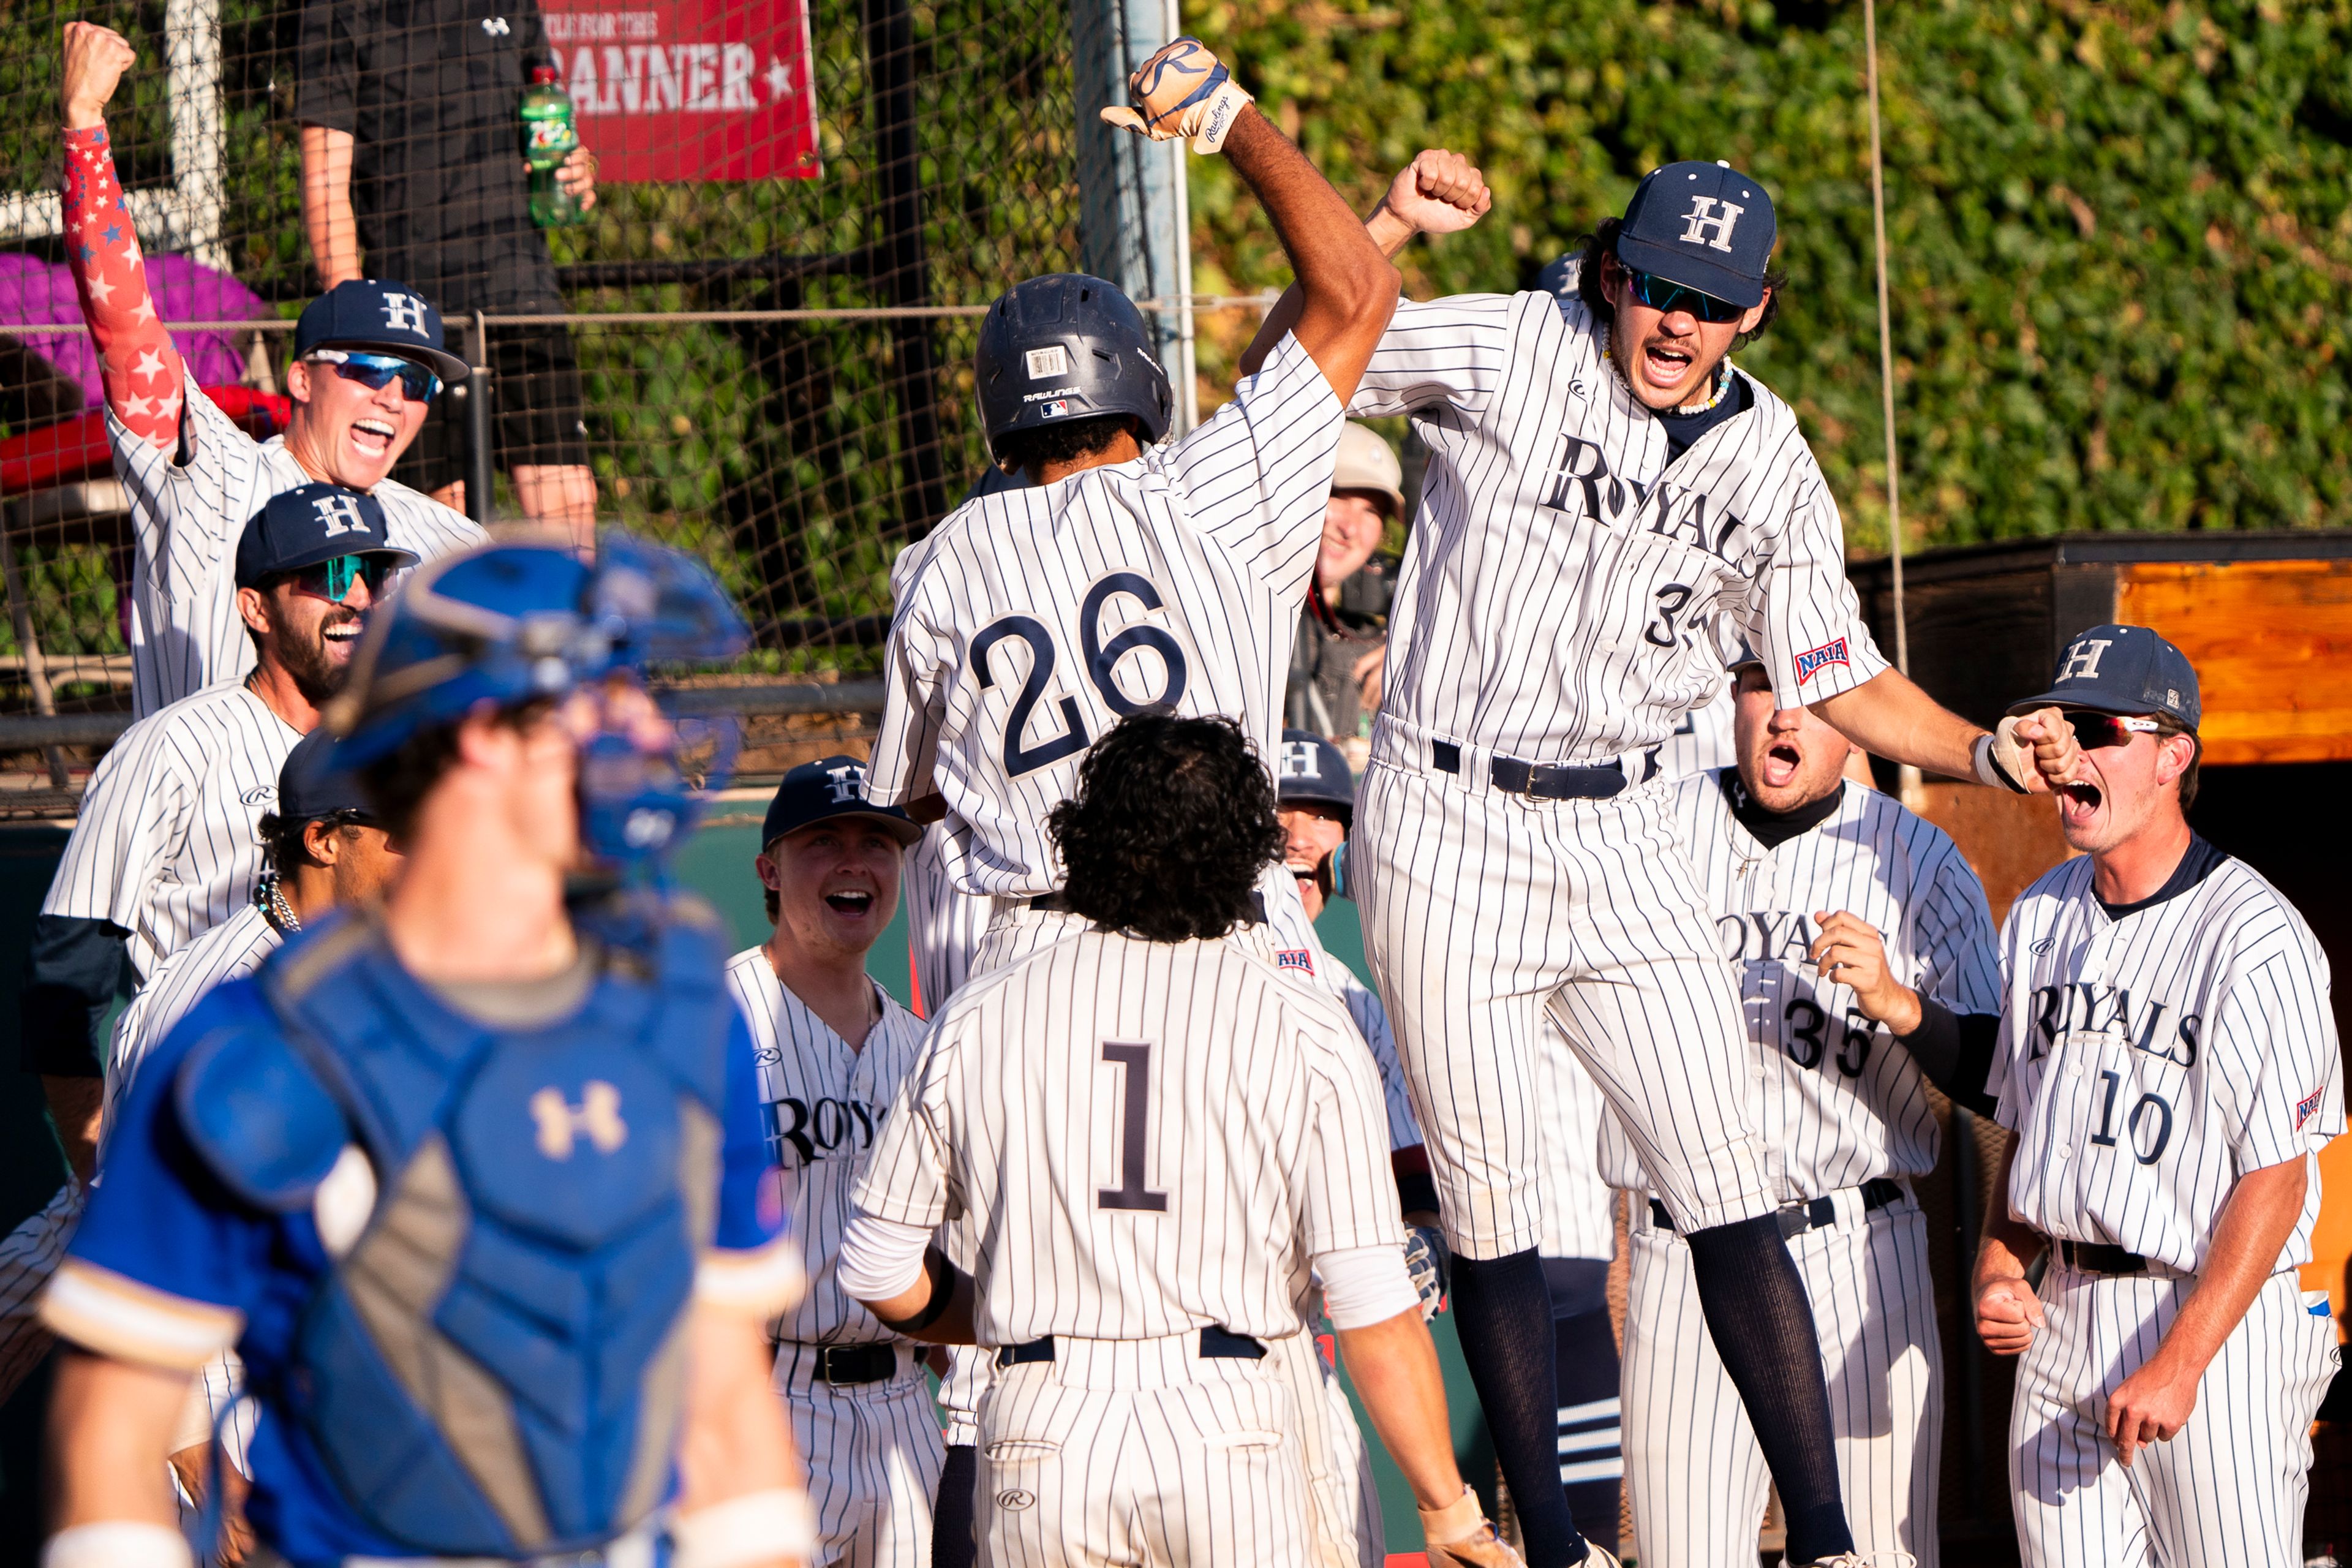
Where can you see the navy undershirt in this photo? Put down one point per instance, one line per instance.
(2199, 861)
(1684, 429)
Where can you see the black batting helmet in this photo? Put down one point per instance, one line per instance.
(1066, 346)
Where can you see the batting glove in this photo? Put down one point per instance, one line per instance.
(1182, 90)
(1425, 1260)
(1460, 1534)
(2002, 760)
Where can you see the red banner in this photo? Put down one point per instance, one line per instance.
(690, 89)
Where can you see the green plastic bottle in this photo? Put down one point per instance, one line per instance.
(548, 139)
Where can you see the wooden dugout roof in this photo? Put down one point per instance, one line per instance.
(2265, 618)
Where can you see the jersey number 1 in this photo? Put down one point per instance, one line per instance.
(1098, 659)
(1134, 1119)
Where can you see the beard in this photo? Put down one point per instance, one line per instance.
(308, 663)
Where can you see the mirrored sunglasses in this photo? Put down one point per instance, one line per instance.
(375, 372)
(333, 580)
(2093, 730)
(1659, 294)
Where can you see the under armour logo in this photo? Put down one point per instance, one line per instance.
(1703, 217)
(2083, 659)
(1299, 760)
(404, 312)
(561, 1123)
(339, 514)
(496, 26)
(846, 783)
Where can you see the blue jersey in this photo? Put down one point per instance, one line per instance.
(168, 1266)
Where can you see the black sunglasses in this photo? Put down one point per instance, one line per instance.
(375, 372)
(2095, 731)
(1659, 294)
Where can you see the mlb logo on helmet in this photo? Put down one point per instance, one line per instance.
(1057, 409)
(1813, 660)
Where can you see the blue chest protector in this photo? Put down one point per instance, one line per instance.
(495, 1366)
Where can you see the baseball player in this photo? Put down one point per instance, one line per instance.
(1602, 482)
(164, 846)
(471, 1189)
(832, 1046)
(1860, 939)
(2168, 1061)
(367, 358)
(1159, 1136)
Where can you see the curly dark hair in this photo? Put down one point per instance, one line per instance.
(1031, 450)
(1174, 819)
(1602, 241)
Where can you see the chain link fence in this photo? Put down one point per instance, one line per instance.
(803, 206)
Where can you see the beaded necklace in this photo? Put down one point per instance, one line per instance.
(1722, 379)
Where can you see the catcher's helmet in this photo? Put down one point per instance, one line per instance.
(1066, 346)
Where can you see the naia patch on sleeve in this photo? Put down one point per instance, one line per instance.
(2304, 1107)
(1813, 660)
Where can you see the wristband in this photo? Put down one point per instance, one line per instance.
(1989, 769)
(118, 1544)
(1457, 1520)
(754, 1528)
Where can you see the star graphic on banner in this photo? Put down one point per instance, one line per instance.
(100, 289)
(150, 364)
(780, 81)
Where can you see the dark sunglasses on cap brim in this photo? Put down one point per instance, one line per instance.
(1659, 294)
(375, 372)
(2095, 731)
(333, 580)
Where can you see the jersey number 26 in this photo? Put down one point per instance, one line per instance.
(1098, 659)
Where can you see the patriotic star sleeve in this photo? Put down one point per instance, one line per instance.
(143, 373)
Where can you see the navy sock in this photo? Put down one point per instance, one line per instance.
(1590, 1431)
(953, 1545)
(1762, 1325)
(1503, 1311)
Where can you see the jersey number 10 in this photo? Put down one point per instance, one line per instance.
(1100, 659)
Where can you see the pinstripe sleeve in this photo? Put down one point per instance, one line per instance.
(2277, 1060)
(2007, 1111)
(181, 512)
(904, 762)
(1958, 967)
(1372, 1023)
(907, 1172)
(1257, 473)
(28, 1256)
(1805, 618)
(129, 815)
(1448, 351)
(1350, 1198)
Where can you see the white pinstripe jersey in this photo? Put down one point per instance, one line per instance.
(1146, 1138)
(2146, 1063)
(165, 845)
(1371, 1021)
(1032, 619)
(824, 1105)
(1558, 584)
(185, 520)
(1701, 742)
(1835, 1100)
(229, 951)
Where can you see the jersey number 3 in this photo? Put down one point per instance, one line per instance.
(1135, 1117)
(1099, 660)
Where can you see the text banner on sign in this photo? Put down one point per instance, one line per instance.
(691, 89)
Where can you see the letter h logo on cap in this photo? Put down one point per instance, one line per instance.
(404, 312)
(845, 785)
(339, 514)
(1704, 219)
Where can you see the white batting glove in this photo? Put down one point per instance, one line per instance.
(1182, 90)
(1424, 1259)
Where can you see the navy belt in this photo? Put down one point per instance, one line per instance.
(840, 1365)
(1216, 1344)
(2099, 1258)
(1540, 781)
(1814, 1213)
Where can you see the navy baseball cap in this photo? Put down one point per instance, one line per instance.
(827, 788)
(391, 317)
(1310, 768)
(311, 783)
(308, 524)
(1704, 226)
(2121, 670)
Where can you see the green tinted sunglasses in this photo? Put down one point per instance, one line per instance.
(333, 580)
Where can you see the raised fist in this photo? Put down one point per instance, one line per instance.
(95, 59)
(1439, 192)
(1182, 90)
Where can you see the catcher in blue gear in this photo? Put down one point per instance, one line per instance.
(472, 1179)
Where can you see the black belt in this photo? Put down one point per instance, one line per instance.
(2099, 1258)
(1877, 1192)
(1216, 1344)
(839, 1364)
(1540, 780)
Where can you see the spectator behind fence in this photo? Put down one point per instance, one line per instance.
(413, 167)
(365, 362)
(1337, 661)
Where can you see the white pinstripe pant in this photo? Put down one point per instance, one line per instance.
(2229, 1488)
(874, 1454)
(1484, 912)
(1696, 1475)
(1139, 1452)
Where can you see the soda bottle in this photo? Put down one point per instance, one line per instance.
(548, 139)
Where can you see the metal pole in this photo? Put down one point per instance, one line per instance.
(1907, 775)
(479, 476)
(1188, 409)
(901, 267)
(37, 669)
